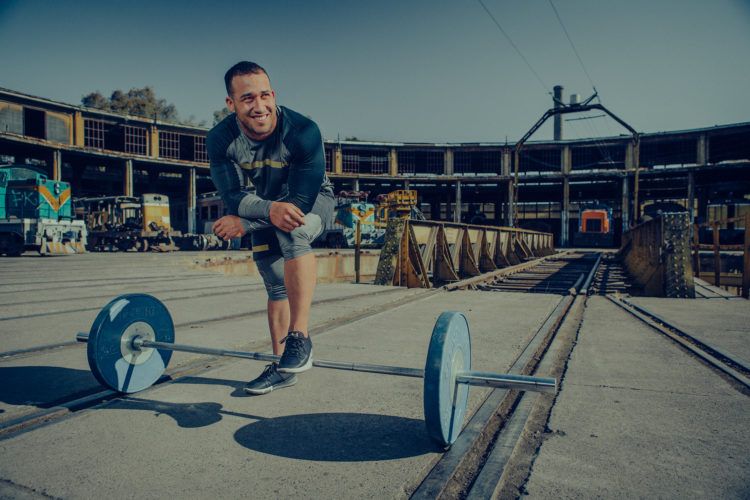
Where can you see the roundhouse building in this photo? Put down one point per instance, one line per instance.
(706, 171)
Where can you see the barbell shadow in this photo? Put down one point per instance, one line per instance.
(237, 386)
(338, 437)
(186, 415)
(44, 386)
(328, 437)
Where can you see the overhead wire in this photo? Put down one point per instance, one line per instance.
(567, 35)
(518, 51)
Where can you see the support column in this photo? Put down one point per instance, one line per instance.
(457, 211)
(636, 184)
(448, 162)
(393, 162)
(407, 185)
(691, 199)
(625, 204)
(355, 184)
(702, 152)
(78, 129)
(56, 165)
(566, 162)
(127, 178)
(338, 160)
(153, 134)
(509, 204)
(191, 201)
(505, 163)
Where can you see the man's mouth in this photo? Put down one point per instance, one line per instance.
(260, 118)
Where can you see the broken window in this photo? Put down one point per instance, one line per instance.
(11, 118)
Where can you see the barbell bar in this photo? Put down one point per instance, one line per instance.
(132, 339)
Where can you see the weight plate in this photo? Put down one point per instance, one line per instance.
(112, 358)
(445, 401)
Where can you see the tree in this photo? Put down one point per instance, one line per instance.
(138, 102)
(220, 114)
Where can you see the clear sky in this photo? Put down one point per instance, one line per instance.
(429, 71)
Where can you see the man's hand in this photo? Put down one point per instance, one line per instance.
(286, 216)
(228, 227)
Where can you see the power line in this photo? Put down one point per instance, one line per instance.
(557, 14)
(539, 79)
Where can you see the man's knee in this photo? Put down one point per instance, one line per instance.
(299, 241)
(271, 269)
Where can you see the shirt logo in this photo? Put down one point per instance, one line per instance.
(251, 165)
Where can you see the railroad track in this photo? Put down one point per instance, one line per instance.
(725, 363)
(482, 463)
(476, 463)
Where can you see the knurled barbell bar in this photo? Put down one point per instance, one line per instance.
(132, 338)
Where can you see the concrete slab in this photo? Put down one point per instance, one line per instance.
(724, 324)
(637, 417)
(334, 433)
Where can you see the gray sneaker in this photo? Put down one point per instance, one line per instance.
(269, 380)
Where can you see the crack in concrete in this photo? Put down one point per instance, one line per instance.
(26, 489)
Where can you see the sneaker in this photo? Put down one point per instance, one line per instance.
(269, 380)
(297, 355)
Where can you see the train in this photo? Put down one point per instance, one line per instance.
(595, 227)
(36, 214)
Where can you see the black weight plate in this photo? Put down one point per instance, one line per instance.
(113, 361)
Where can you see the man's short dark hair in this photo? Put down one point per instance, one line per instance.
(241, 68)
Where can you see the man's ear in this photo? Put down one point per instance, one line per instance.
(230, 103)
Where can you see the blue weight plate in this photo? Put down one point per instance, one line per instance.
(113, 361)
(445, 401)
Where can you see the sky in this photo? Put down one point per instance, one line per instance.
(399, 71)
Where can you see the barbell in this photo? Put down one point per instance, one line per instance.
(132, 338)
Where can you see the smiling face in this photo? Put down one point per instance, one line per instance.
(254, 101)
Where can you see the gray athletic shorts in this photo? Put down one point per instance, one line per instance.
(275, 246)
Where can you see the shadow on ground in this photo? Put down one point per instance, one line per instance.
(337, 437)
(44, 386)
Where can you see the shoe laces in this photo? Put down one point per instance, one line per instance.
(295, 346)
(268, 370)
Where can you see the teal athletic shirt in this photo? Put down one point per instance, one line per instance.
(288, 166)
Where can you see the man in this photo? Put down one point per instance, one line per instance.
(281, 153)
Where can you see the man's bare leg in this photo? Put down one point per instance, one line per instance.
(278, 323)
(300, 275)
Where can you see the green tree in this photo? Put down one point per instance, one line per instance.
(220, 114)
(138, 102)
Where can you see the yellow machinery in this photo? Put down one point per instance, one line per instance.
(156, 212)
(397, 204)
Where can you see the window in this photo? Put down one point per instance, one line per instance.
(93, 133)
(135, 140)
(169, 144)
(200, 149)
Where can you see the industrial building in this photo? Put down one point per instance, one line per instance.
(706, 171)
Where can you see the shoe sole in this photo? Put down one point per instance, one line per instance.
(257, 392)
(298, 369)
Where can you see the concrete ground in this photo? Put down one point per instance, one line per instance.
(638, 417)
(334, 433)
